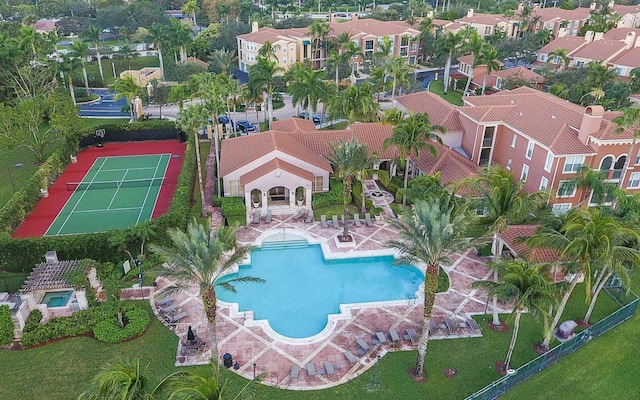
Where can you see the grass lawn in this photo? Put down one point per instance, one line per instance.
(452, 96)
(120, 65)
(336, 126)
(12, 281)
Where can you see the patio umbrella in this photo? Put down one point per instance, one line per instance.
(190, 335)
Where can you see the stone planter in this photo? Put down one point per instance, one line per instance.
(344, 245)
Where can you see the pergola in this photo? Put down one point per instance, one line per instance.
(49, 276)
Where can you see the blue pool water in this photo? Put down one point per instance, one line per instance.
(302, 288)
(56, 299)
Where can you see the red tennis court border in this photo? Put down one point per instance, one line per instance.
(44, 213)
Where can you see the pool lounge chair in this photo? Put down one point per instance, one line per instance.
(311, 370)
(174, 319)
(451, 325)
(309, 218)
(164, 302)
(364, 347)
(256, 217)
(356, 220)
(336, 224)
(432, 326)
(171, 308)
(394, 335)
(350, 357)
(473, 324)
(367, 219)
(411, 335)
(267, 218)
(295, 372)
(380, 338)
(323, 221)
(328, 367)
(299, 214)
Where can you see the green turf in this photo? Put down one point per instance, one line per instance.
(98, 209)
(452, 96)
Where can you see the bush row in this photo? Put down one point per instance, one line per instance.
(6, 325)
(233, 207)
(109, 330)
(332, 197)
(22, 254)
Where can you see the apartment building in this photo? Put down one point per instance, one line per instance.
(486, 24)
(290, 45)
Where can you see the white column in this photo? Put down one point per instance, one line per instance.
(247, 203)
(292, 197)
(307, 198)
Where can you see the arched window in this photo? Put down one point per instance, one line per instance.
(605, 164)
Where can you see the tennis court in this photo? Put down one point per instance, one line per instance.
(116, 192)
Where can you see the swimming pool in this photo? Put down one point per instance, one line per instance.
(56, 299)
(302, 288)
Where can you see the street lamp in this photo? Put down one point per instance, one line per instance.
(13, 185)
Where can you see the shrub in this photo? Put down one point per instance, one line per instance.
(6, 325)
(33, 321)
(357, 197)
(233, 207)
(80, 323)
(109, 331)
(331, 198)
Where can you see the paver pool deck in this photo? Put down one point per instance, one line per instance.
(250, 342)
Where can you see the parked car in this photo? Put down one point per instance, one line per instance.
(317, 118)
(223, 119)
(245, 126)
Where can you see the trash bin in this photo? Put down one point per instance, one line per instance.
(227, 360)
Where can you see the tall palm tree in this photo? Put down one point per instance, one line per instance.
(594, 184)
(411, 135)
(308, 88)
(181, 35)
(128, 88)
(377, 77)
(68, 66)
(528, 286)
(178, 94)
(355, 103)
(319, 30)
(80, 50)
(384, 50)
(349, 158)
(192, 119)
(191, 8)
(92, 34)
(503, 201)
(157, 33)
(198, 256)
(122, 379)
(473, 46)
(127, 52)
(449, 45)
(262, 74)
(223, 59)
(399, 71)
(268, 50)
(489, 56)
(628, 121)
(560, 58)
(429, 234)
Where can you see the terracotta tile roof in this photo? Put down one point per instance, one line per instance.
(441, 22)
(364, 27)
(620, 33)
(45, 25)
(570, 43)
(440, 111)
(468, 59)
(525, 73)
(483, 19)
(551, 121)
(452, 165)
(600, 50)
(549, 14)
(513, 235)
(273, 35)
(239, 151)
(607, 132)
(293, 125)
(455, 26)
(272, 165)
(624, 9)
(629, 58)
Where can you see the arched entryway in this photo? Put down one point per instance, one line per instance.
(278, 195)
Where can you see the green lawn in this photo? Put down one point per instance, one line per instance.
(120, 65)
(12, 281)
(452, 96)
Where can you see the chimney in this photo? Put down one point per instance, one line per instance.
(254, 27)
(630, 40)
(637, 44)
(592, 6)
(591, 120)
(598, 36)
(588, 36)
(354, 17)
(470, 13)
(51, 257)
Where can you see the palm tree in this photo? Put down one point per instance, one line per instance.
(429, 234)
(596, 188)
(333, 61)
(503, 201)
(474, 46)
(399, 71)
(157, 33)
(80, 50)
(268, 50)
(383, 50)
(92, 34)
(192, 119)
(411, 135)
(127, 52)
(449, 45)
(489, 58)
(355, 103)
(528, 286)
(122, 379)
(377, 77)
(223, 59)
(350, 159)
(308, 88)
(128, 88)
(181, 36)
(68, 66)
(191, 8)
(262, 74)
(198, 256)
(560, 58)
(28, 38)
(628, 121)
(178, 94)
(319, 30)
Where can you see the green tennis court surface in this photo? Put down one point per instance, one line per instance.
(117, 192)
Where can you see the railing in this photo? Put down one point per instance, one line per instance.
(279, 244)
(501, 386)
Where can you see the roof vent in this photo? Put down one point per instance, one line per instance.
(553, 117)
(513, 102)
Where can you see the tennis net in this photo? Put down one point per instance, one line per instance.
(72, 186)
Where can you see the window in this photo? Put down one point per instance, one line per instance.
(634, 180)
(548, 162)
(414, 47)
(509, 164)
(368, 45)
(513, 140)
(235, 189)
(561, 208)
(404, 41)
(530, 150)
(620, 71)
(318, 182)
(544, 182)
(566, 189)
(487, 30)
(499, 83)
(525, 172)
(403, 51)
(543, 57)
(284, 49)
(573, 164)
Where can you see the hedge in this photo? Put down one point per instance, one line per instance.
(330, 198)
(109, 331)
(20, 255)
(233, 207)
(356, 192)
(6, 325)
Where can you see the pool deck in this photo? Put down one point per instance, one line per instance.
(252, 343)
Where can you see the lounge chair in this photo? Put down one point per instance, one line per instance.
(309, 218)
(295, 372)
(164, 302)
(267, 218)
(451, 325)
(356, 220)
(367, 219)
(256, 217)
(171, 308)
(311, 370)
(178, 317)
(323, 221)
(336, 224)
(432, 326)
(364, 347)
(381, 337)
(411, 335)
(394, 335)
(473, 324)
(350, 357)
(299, 214)
(328, 367)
